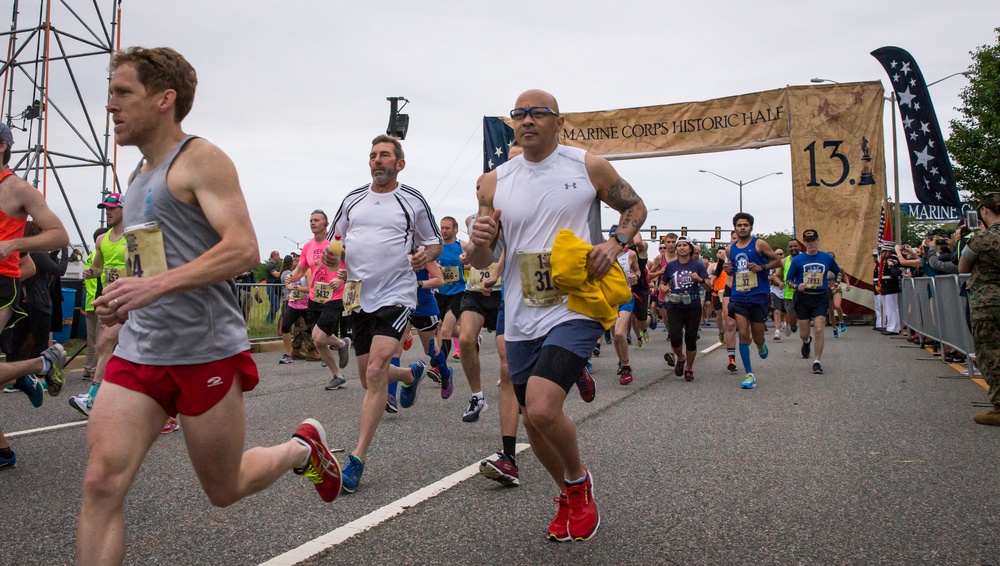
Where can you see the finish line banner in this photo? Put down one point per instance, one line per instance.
(738, 122)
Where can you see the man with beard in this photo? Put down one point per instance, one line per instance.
(380, 290)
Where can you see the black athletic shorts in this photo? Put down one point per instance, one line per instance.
(386, 321)
(448, 303)
(424, 323)
(10, 296)
(326, 315)
(641, 309)
(716, 302)
(486, 306)
(811, 305)
(290, 316)
(754, 312)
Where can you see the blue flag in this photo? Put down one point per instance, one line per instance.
(933, 180)
(497, 137)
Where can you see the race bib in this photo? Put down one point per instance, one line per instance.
(322, 293)
(450, 274)
(476, 276)
(536, 279)
(144, 249)
(745, 281)
(111, 274)
(813, 280)
(296, 295)
(352, 296)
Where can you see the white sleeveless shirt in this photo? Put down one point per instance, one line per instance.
(537, 200)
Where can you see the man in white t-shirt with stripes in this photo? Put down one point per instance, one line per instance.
(548, 188)
(380, 289)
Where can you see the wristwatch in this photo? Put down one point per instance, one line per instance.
(622, 239)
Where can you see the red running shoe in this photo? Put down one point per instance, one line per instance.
(170, 426)
(586, 385)
(559, 527)
(626, 377)
(583, 519)
(501, 470)
(322, 469)
(408, 341)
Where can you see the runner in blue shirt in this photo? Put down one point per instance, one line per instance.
(685, 276)
(751, 259)
(808, 273)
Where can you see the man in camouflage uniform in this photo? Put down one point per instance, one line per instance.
(981, 258)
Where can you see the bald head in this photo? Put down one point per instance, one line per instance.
(535, 97)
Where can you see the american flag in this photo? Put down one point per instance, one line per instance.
(933, 180)
(884, 228)
(497, 137)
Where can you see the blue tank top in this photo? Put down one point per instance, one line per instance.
(452, 269)
(748, 287)
(426, 304)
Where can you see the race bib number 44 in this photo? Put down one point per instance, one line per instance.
(145, 256)
(536, 279)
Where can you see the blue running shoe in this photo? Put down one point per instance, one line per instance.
(408, 393)
(749, 382)
(8, 462)
(652, 323)
(32, 388)
(762, 350)
(350, 476)
(843, 327)
(836, 332)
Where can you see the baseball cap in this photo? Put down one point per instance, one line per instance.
(113, 200)
(810, 235)
(6, 135)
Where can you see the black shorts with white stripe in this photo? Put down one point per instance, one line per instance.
(387, 321)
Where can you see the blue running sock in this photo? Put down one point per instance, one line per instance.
(393, 384)
(745, 357)
(93, 390)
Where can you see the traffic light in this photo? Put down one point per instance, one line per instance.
(713, 242)
(718, 233)
(652, 232)
(684, 231)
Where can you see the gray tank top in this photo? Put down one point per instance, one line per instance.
(194, 327)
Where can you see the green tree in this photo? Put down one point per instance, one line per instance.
(777, 239)
(975, 137)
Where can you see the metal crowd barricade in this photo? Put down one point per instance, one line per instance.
(255, 302)
(909, 312)
(935, 308)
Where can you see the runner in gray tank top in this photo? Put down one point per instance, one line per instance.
(183, 348)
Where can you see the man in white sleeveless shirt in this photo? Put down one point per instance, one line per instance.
(189, 234)
(548, 188)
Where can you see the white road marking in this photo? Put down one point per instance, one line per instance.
(712, 347)
(376, 517)
(44, 429)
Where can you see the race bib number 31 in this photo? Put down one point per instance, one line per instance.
(536, 279)
(144, 249)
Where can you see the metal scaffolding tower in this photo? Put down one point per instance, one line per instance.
(55, 88)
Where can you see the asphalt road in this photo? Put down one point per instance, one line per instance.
(876, 461)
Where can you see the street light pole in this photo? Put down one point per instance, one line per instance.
(740, 183)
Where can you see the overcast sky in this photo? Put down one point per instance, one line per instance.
(294, 91)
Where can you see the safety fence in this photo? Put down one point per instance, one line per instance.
(261, 304)
(935, 308)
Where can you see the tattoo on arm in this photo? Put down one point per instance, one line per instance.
(622, 197)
